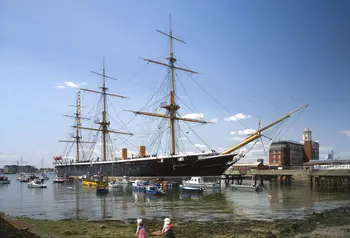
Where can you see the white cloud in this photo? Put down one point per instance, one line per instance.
(345, 132)
(236, 117)
(68, 84)
(244, 132)
(183, 138)
(194, 116)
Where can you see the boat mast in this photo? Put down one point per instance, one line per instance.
(78, 123)
(258, 134)
(77, 137)
(104, 124)
(172, 108)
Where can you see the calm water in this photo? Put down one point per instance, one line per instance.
(71, 200)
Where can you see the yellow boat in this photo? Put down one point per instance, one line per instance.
(89, 182)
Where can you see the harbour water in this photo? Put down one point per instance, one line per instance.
(73, 201)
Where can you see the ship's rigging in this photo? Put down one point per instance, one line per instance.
(172, 116)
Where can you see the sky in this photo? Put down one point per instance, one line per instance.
(258, 59)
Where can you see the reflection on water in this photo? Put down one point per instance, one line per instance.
(72, 200)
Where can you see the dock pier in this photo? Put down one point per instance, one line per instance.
(336, 178)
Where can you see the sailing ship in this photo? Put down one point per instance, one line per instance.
(174, 164)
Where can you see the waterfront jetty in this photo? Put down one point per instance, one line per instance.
(336, 177)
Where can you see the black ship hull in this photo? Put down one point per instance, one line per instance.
(188, 165)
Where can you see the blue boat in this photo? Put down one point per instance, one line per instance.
(140, 185)
(191, 189)
(154, 190)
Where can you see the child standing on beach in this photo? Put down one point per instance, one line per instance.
(140, 230)
(167, 230)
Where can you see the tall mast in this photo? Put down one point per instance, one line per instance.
(77, 137)
(172, 107)
(78, 123)
(104, 124)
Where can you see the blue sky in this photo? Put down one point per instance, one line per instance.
(258, 58)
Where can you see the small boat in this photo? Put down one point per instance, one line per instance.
(58, 179)
(37, 183)
(4, 180)
(21, 176)
(124, 181)
(139, 185)
(154, 190)
(113, 184)
(191, 189)
(82, 177)
(44, 176)
(199, 182)
(102, 189)
(246, 187)
(96, 180)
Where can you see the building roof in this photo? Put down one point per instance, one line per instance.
(286, 142)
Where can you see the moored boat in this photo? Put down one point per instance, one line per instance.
(44, 176)
(96, 180)
(191, 189)
(4, 180)
(37, 183)
(58, 179)
(199, 182)
(154, 190)
(140, 185)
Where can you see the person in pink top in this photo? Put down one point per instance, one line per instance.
(140, 230)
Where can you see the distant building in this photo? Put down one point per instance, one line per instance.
(315, 150)
(286, 153)
(311, 148)
(10, 169)
(14, 169)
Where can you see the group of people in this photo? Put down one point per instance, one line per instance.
(167, 230)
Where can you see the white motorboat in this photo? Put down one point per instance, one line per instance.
(191, 189)
(198, 182)
(37, 183)
(58, 179)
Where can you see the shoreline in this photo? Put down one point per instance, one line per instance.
(329, 223)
